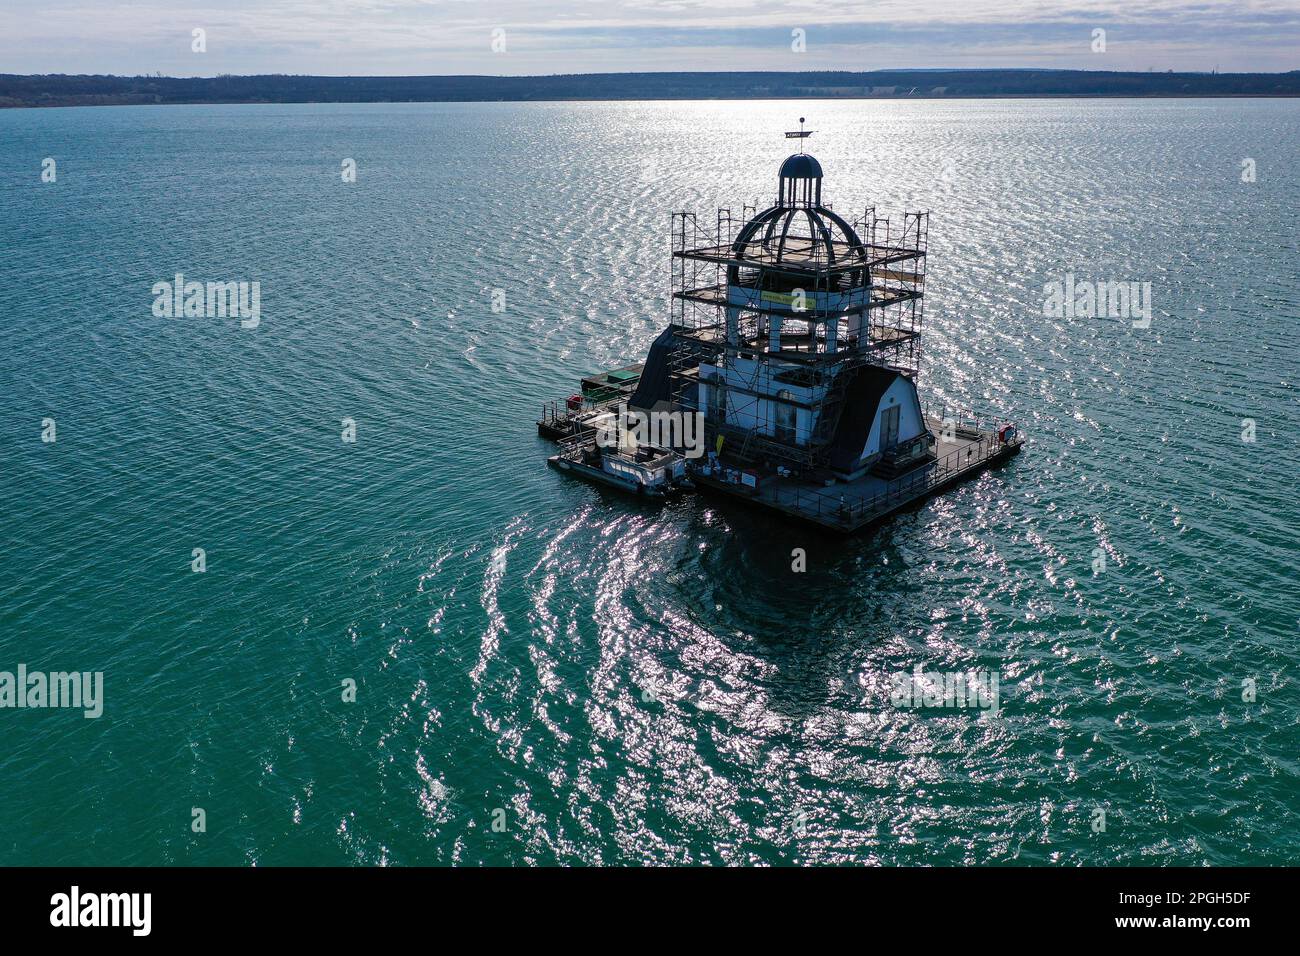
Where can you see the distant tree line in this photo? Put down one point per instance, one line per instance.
(68, 90)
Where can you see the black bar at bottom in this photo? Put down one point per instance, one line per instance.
(331, 906)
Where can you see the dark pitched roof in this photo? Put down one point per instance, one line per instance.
(654, 386)
(861, 400)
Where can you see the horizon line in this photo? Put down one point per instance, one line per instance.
(526, 76)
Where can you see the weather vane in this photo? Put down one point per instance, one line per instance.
(799, 133)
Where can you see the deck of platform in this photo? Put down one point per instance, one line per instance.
(798, 252)
(804, 348)
(718, 295)
(849, 506)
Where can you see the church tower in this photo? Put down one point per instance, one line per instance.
(797, 334)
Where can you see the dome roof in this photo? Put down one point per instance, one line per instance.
(801, 233)
(801, 166)
(799, 228)
(800, 182)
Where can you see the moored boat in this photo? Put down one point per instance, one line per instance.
(646, 470)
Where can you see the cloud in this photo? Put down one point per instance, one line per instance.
(561, 36)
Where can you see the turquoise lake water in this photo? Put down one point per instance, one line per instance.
(550, 673)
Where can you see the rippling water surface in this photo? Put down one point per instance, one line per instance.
(608, 682)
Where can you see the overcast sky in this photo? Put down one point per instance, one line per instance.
(420, 37)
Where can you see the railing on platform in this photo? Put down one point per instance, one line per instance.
(961, 418)
(559, 412)
(575, 446)
(907, 488)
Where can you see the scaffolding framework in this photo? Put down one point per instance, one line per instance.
(818, 347)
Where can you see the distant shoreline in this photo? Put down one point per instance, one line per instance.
(673, 99)
(52, 90)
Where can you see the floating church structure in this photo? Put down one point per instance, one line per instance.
(795, 344)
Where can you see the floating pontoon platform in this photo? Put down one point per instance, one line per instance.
(848, 506)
